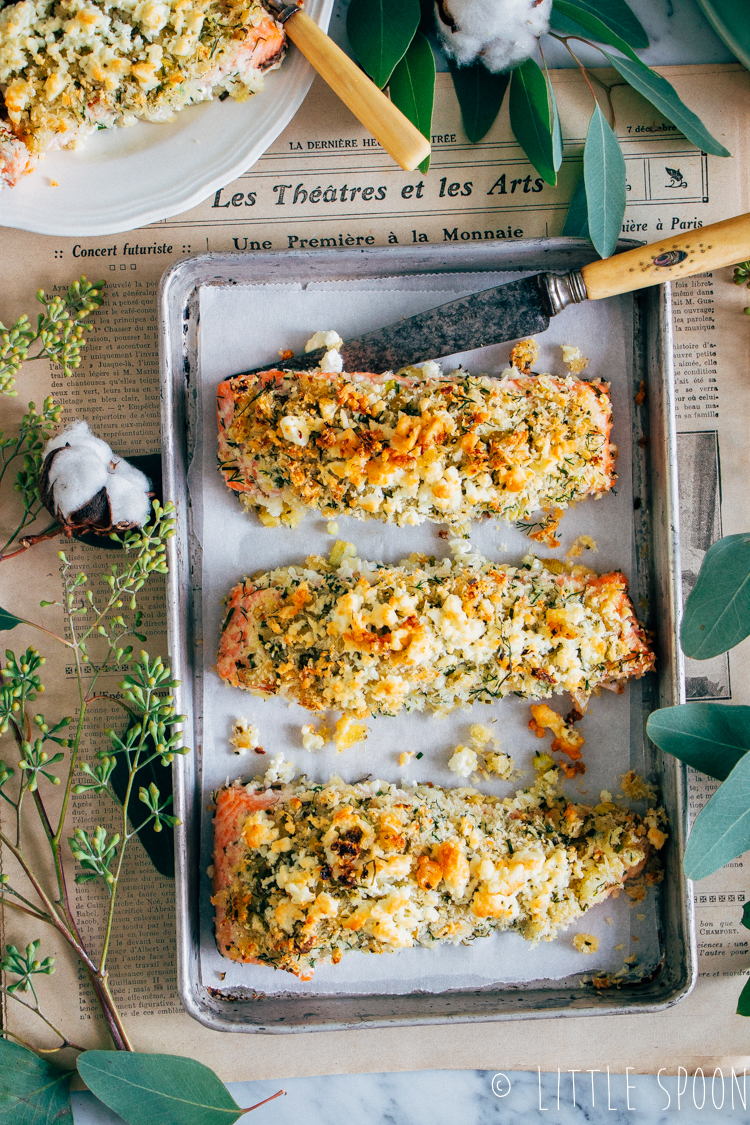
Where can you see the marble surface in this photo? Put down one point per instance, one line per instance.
(679, 33)
(478, 1097)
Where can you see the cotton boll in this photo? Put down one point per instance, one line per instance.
(501, 32)
(127, 488)
(87, 487)
(76, 474)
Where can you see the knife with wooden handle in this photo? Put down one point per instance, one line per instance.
(523, 308)
(388, 125)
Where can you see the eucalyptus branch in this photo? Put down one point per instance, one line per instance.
(59, 332)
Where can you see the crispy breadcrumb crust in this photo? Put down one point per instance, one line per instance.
(428, 634)
(411, 447)
(305, 873)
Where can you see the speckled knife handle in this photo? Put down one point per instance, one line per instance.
(680, 255)
(388, 125)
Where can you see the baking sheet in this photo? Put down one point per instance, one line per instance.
(244, 326)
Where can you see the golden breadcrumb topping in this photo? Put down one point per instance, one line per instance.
(305, 873)
(428, 634)
(414, 446)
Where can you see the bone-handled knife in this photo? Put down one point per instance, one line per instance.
(400, 138)
(523, 308)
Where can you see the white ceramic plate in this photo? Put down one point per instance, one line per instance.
(126, 178)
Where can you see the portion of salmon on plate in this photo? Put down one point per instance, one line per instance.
(70, 67)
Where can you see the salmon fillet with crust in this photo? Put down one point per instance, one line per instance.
(429, 634)
(408, 448)
(70, 67)
(305, 873)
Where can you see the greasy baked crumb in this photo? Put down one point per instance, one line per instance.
(581, 544)
(245, 736)
(348, 733)
(586, 943)
(314, 740)
(524, 355)
(574, 359)
(636, 788)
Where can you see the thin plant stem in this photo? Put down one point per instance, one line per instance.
(38, 1011)
(265, 1101)
(32, 912)
(30, 541)
(125, 837)
(607, 89)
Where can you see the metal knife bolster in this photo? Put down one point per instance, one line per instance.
(563, 289)
(491, 316)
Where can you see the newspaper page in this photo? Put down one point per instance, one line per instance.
(326, 183)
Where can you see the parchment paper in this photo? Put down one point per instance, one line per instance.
(242, 327)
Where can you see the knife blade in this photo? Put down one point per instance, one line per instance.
(523, 308)
(520, 308)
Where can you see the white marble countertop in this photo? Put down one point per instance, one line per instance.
(679, 33)
(479, 1097)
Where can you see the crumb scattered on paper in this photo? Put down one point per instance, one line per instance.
(574, 359)
(314, 740)
(636, 788)
(582, 543)
(347, 733)
(245, 736)
(586, 943)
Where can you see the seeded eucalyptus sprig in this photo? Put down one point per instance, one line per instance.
(100, 621)
(388, 38)
(98, 624)
(60, 332)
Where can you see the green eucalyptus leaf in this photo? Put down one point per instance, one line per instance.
(710, 737)
(9, 620)
(745, 920)
(717, 613)
(380, 32)
(606, 192)
(480, 95)
(412, 87)
(616, 16)
(722, 829)
(149, 1088)
(530, 118)
(661, 94)
(743, 1003)
(32, 1091)
(572, 19)
(577, 219)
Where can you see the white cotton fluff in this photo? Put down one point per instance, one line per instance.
(502, 33)
(84, 465)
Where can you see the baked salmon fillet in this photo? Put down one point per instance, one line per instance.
(429, 634)
(304, 873)
(408, 448)
(70, 67)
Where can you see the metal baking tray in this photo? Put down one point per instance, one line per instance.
(655, 581)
